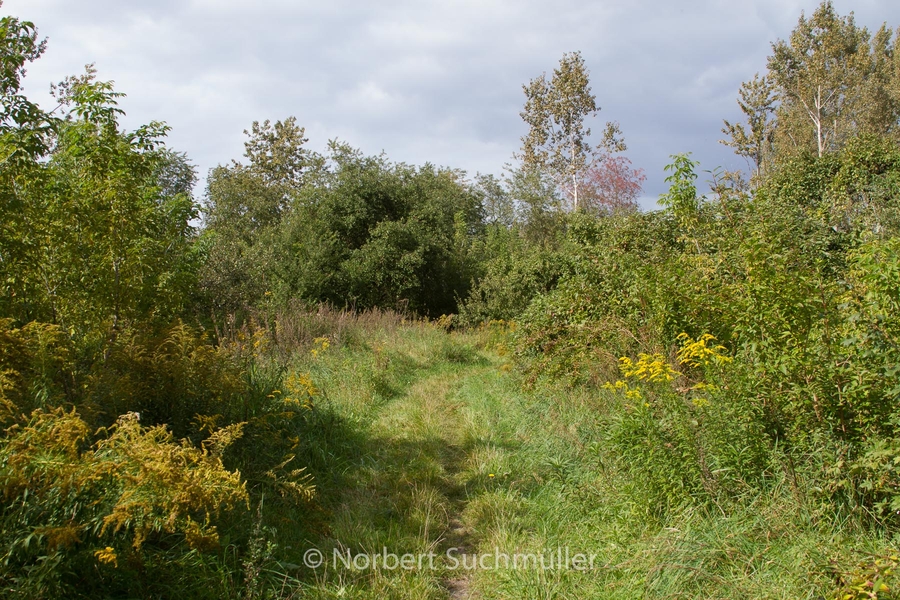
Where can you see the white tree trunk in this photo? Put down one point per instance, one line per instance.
(574, 181)
(818, 120)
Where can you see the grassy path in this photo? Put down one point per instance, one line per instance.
(438, 454)
(425, 444)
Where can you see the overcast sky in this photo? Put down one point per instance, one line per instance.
(423, 81)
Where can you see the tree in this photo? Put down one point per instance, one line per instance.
(240, 215)
(245, 206)
(115, 218)
(894, 77)
(254, 195)
(25, 129)
(612, 185)
(757, 102)
(832, 82)
(557, 139)
(99, 229)
(276, 152)
(25, 137)
(829, 82)
(384, 234)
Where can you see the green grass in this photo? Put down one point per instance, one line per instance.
(422, 441)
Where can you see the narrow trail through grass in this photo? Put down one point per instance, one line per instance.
(432, 419)
(422, 447)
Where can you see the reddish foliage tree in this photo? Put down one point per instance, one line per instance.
(612, 185)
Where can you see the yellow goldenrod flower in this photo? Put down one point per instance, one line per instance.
(107, 556)
(649, 367)
(697, 353)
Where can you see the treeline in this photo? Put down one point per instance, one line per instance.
(345, 229)
(361, 232)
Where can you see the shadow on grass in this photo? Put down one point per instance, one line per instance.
(377, 492)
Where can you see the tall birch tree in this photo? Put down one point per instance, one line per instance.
(555, 110)
(829, 82)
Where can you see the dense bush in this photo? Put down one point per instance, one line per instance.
(358, 232)
(797, 281)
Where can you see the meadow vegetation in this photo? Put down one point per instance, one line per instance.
(342, 353)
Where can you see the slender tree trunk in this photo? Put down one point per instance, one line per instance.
(819, 120)
(574, 180)
(575, 188)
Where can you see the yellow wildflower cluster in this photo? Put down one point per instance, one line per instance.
(300, 389)
(320, 345)
(649, 367)
(701, 352)
(107, 556)
(654, 367)
(622, 386)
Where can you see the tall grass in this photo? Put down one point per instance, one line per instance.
(297, 326)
